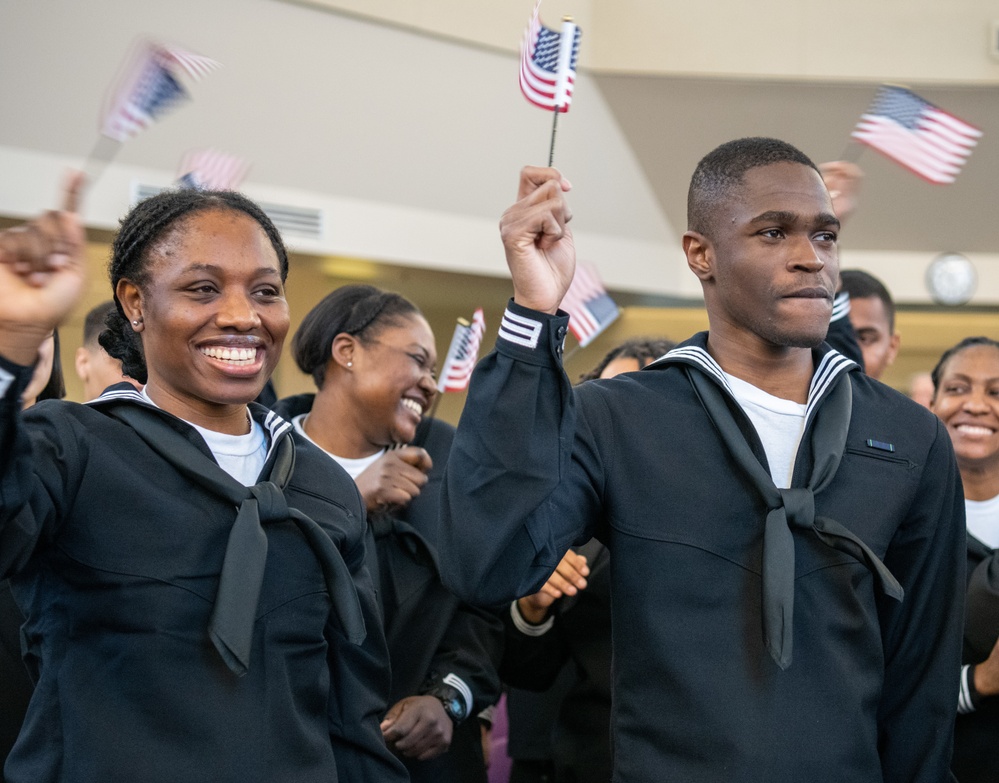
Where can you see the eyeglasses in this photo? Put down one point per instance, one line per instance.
(418, 356)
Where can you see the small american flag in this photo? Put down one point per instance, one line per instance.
(925, 139)
(212, 170)
(548, 63)
(150, 85)
(590, 308)
(462, 354)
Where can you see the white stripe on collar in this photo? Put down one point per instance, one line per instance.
(703, 358)
(119, 394)
(841, 306)
(273, 423)
(6, 379)
(831, 366)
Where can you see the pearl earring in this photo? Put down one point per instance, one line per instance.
(350, 364)
(135, 323)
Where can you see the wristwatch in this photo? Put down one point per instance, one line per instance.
(453, 701)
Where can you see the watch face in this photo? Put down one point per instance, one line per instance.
(455, 708)
(951, 279)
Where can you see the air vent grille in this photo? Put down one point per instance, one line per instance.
(302, 222)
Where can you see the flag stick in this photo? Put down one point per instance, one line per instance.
(852, 152)
(551, 148)
(100, 156)
(573, 352)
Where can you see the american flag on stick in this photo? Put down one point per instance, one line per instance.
(590, 308)
(462, 354)
(913, 132)
(212, 170)
(548, 63)
(149, 85)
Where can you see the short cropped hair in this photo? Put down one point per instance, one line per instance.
(96, 321)
(721, 171)
(863, 285)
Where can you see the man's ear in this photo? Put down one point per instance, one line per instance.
(700, 255)
(895, 341)
(82, 364)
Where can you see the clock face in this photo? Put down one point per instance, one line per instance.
(951, 279)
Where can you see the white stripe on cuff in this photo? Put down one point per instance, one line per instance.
(459, 685)
(520, 330)
(964, 703)
(526, 628)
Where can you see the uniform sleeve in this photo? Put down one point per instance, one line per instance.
(841, 335)
(360, 678)
(981, 627)
(922, 634)
(39, 466)
(521, 484)
(468, 657)
(534, 654)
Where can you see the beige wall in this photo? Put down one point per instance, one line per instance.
(885, 40)
(402, 122)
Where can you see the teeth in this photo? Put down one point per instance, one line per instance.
(414, 406)
(972, 429)
(236, 355)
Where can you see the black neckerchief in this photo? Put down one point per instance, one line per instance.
(827, 421)
(231, 625)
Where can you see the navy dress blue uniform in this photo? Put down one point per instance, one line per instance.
(871, 694)
(433, 637)
(115, 557)
(976, 734)
(577, 640)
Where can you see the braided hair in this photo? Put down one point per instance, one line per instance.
(145, 224)
(358, 310)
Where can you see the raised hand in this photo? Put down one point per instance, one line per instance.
(395, 478)
(42, 270)
(842, 180)
(987, 673)
(418, 728)
(569, 578)
(538, 241)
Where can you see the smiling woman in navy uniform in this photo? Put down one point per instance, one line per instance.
(191, 571)
(371, 354)
(966, 398)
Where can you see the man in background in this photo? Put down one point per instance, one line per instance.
(95, 367)
(872, 313)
